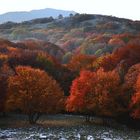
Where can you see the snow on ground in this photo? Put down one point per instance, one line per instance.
(78, 133)
(66, 132)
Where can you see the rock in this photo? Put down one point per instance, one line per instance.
(89, 137)
(106, 134)
(78, 136)
(42, 136)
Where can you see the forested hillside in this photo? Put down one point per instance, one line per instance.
(84, 34)
(87, 64)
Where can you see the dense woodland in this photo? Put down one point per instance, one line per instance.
(86, 71)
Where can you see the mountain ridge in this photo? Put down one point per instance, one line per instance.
(20, 16)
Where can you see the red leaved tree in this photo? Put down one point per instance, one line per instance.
(96, 93)
(135, 101)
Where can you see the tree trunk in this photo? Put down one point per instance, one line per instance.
(33, 117)
(87, 118)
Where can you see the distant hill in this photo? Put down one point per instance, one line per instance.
(76, 34)
(24, 16)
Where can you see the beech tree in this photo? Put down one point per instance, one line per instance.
(111, 100)
(5, 72)
(132, 75)
(81, 62)
(96, 93)
(135, 101)
(33, 92)
(129, 84)
(128, 54)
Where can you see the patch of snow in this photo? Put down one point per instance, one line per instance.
(89, 137)
(42, 136)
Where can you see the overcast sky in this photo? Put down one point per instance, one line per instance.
(120, 8)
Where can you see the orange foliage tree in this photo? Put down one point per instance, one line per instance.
(81, 62)
(5, 72)
(96, 93)
(108, 62)
(135, 101)
(128, 54)
(132, 75)
(129, 84)
(33, 92)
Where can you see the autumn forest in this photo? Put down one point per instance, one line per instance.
(71, 65)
